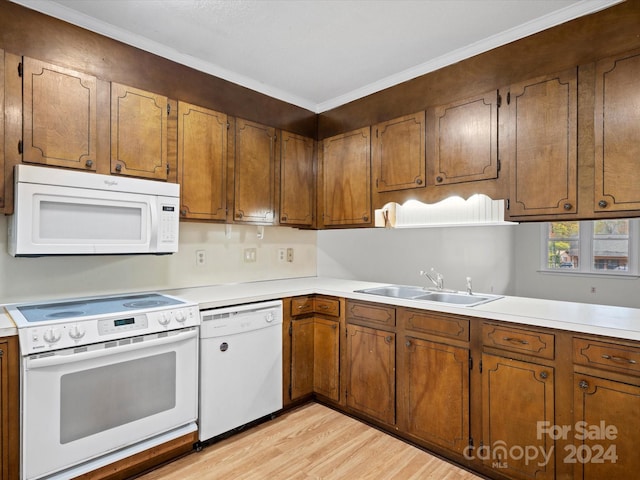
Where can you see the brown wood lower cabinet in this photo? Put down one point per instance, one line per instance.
(371, 372)
(9, 408)
(326, 357)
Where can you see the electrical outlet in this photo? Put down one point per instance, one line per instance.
(250, 255)
(289, 254)
(282, 254)
(201, 258)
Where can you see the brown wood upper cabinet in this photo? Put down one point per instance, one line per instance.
(463, 143)
(202, 162)
(297, 194)
(59, 108)
(398, 153)
(2, 177)
(138, 132)
(541, 145)
(617, 128)
(254, 169)
(346, 179)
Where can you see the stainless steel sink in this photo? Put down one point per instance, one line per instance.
(421, 294)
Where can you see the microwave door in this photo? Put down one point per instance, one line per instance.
(63, 220)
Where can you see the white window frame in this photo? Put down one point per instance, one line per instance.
(585, 266)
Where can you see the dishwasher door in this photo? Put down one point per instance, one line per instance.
(240, 366)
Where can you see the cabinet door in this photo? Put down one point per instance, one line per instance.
(296, 180)
(464, 142)
(346, 175)
(202, 162)
(617, 129)
(436, 396)
(2, 193)
(398, 153)
(326, 351)
(609, 411)
(516, 395)
(542, 145)
(371, 372)
(301, 357)
(138, 133)
(254, 170)
(59, 116)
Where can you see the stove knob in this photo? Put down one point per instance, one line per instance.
(180, 316)
(76, 332)
(52, 335)
(164, 320)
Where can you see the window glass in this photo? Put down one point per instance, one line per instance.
(611, 245)
(563, 245)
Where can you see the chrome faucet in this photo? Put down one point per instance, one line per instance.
(436, 278)
(469, 291)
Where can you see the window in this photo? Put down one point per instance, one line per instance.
(595, 247)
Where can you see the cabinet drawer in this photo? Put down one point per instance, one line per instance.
(606, 355)
(371, 313)
(301, 306)
(327, 306)
(519, 341)
(436, 324)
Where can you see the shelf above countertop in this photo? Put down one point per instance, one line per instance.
(611, 321)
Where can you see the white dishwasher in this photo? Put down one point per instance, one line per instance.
(240, 366)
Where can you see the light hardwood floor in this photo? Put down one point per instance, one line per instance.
(311, 442)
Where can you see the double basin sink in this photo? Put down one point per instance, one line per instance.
(437, 296)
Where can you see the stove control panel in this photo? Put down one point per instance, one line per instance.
(69, 334)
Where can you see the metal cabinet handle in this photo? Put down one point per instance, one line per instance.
(387, 339)
(365, 218)
(515, 340)
(283, 218)
(408, 343)
(567, 206)
(602, 203)
(239, 215)
(89, 163)
(544, 375)
(419, 181)
(583, 384)
(615, 358)
(183, 212)
(118, 168)
(323, 307)
(439, 179)
(334, 327)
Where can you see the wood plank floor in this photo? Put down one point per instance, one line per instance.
(311, 442)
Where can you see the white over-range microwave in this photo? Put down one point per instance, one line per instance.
(65, 212)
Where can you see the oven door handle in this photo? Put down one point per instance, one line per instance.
(71, 357)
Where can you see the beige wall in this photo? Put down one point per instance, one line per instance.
(59, 277)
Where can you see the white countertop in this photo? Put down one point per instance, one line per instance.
(7, 327)
(618, 322)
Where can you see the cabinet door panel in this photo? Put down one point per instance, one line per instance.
(516, 396)
(301, 357)
(371, 375)
(437, 392)
(138, 132)
(347, 178)
(2, 135)
(542, 145)
(202, 160)
(465, 147)
(326, 351)
(617, 129)
(296, 180)
(605, 403)
(398, 153)
(254, 170)
(59, 116)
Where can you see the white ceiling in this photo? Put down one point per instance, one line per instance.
(317, 54)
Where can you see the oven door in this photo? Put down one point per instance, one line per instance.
(82, 403)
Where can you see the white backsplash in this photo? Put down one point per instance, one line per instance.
(43, 278)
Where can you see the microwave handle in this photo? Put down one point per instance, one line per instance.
(154, 206)
(54, 360)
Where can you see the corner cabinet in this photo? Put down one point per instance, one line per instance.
(9, 408)
(398, 153)
(463, 143)
(346, 179)
(541, 145)
(202, 162)
(254, 173)
(617, 129)
(139, 133)
(59, 108)
(2, 161)
(297, 192)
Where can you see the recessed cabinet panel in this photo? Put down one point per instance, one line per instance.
(59, 116)
(202, 162)
(347, 179)
(297, 195)
(2, 192)
(302, 333)
(138, 133)
(326, 352)
(464, 147)
(398, 153)
(542, 145)
(617, 130)
(254, 170)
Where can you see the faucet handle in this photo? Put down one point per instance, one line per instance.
(469, 290)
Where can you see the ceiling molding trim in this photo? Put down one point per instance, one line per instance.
(74, 17)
